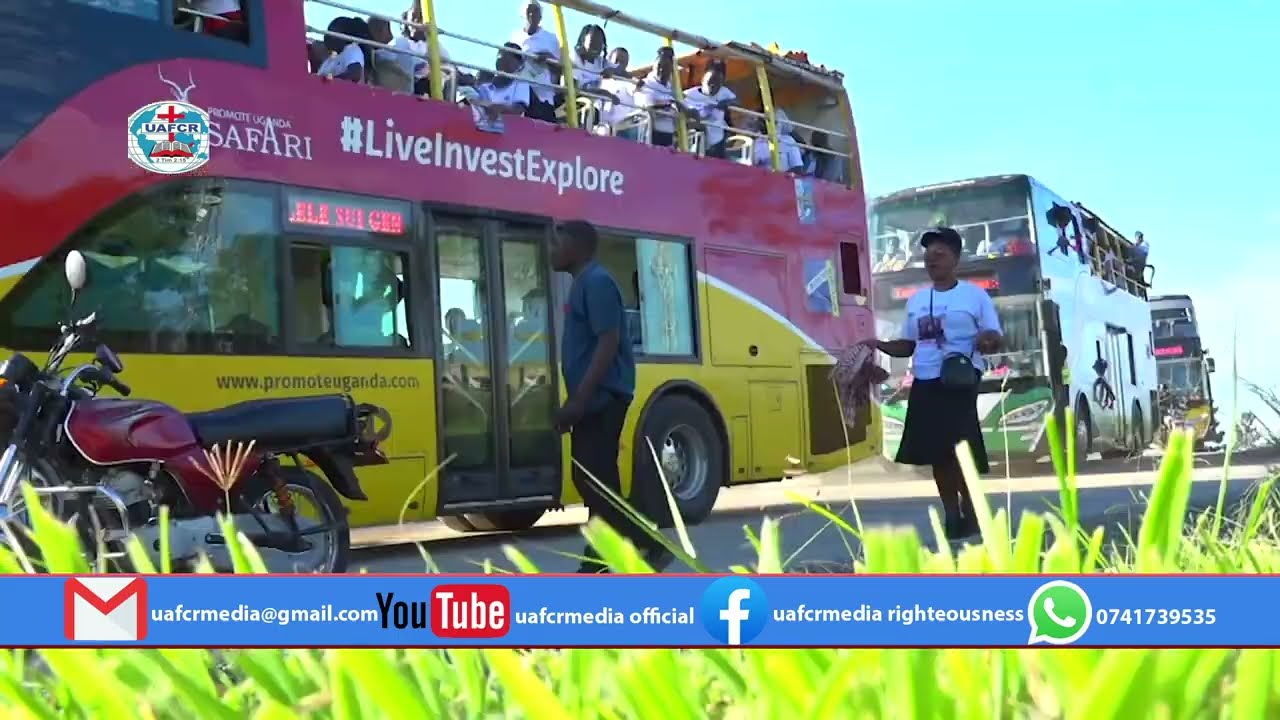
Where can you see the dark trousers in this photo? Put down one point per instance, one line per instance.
(596, 439)
(539, 110)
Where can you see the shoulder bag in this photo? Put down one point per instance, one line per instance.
(958, 370)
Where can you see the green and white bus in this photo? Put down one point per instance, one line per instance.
(1075, 316)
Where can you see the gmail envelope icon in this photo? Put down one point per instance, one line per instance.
(105, 609)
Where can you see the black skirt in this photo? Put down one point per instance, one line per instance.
(939, 417)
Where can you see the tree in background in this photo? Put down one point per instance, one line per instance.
(1253, 428)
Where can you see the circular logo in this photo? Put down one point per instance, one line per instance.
(169, 137)
(1059, 612)
(734, 610)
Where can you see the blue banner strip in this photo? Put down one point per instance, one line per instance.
(675, 611)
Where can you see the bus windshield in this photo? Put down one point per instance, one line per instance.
(1184, 377)
(1173, 328)
(993, 220)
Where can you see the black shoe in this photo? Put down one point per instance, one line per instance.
(593, 568)
(969, 526)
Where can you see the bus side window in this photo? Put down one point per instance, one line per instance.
(657, 290)
(349, 297)
(166, 275)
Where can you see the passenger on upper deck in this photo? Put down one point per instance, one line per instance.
(391, 69)
(709, 103)
(788, 148)
(418, 43)
(589, 63)
(502, 94)
(656, 95)
(346, 59)
(620, 88)
(1138, 257)
(822, 165)
(543, 45)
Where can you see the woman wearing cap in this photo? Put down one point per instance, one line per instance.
(950, 325)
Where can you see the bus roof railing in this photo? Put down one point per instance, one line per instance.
(781, 64)
(756, 55)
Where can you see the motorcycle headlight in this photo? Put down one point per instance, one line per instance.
(1026, 414)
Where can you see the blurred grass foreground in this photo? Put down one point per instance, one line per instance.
(741, 684)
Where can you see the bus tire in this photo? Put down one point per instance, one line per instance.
(691, 450)
(1083, 431)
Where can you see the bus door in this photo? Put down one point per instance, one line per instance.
(495, 364)
(1115, 403)
(1055, 359)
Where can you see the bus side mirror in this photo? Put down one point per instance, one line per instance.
(1211, 365)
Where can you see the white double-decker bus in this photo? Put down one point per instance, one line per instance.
(1075, 314)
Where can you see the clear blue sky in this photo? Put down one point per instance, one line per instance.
(1162, 117)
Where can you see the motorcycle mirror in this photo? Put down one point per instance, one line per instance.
(76, 270)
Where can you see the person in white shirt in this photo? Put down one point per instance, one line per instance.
(947, 322)
(416, 38)
(346, 59)
(656, 95)
(503, 94)
(709, 103)
(589, 61)
(619, 88)
(589, 67)
(393, 66)
(788, 148)
(542, 62)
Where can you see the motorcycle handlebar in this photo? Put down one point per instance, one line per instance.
(117, 384)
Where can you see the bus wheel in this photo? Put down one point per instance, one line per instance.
(1083, 431)
(690, 455)
(496, 521)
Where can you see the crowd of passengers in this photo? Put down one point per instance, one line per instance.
(528, 71)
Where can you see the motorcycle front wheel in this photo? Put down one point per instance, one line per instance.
(38, 473)
(315, 502)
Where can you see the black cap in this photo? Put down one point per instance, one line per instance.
(944, 235)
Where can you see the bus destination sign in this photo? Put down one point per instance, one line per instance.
(1167, 348)
(342, 212)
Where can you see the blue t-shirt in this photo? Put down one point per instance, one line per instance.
(595, 307)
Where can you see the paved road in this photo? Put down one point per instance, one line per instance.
(1111, 494)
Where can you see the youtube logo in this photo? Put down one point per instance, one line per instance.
(470, 611)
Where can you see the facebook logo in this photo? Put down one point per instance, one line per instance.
(734, 610)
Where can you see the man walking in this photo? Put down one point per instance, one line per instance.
(599, 373)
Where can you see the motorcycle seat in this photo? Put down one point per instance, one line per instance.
(278, 424)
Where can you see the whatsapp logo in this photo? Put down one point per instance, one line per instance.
(1059, 613)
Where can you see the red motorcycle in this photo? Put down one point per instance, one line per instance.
(109, 465)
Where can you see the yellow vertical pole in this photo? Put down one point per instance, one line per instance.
(566, 64)
(433, 49)
(771, 123)
(852, 154)
(682, 127)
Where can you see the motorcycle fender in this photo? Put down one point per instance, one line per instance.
(338, 469)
